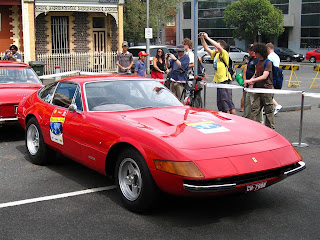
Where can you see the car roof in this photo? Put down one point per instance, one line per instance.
(6, 63)
(109, 77)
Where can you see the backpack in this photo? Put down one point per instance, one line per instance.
(277, 75)
(231, 68)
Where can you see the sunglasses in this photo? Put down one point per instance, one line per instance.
(160, 51)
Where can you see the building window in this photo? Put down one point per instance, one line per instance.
(310, 24)
(60, 34)
(187, 33)
(98, 22)
(187, 10)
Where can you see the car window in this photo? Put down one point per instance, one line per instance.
(234, 50)
(318, 51)
(64, 94)
(18, 75)
(127, 95)
(46, 93)
(78, 99)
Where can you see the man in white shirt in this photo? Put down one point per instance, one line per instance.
(187, 43)
(274, 58)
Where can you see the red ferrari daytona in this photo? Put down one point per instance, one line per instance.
(136, 130)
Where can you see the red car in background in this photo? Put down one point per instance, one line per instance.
(17, 81)
(313, 56)
(137, 131)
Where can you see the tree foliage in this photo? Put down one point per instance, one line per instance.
(250, 17)
(135, 17)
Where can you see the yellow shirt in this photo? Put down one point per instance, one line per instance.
(222, 74)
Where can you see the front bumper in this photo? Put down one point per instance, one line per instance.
(227, 184)
(5, 120)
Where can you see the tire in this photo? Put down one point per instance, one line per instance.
(288, 59)
(197, 101)
(138, 191)
(246, 59)
(312, 59)
(38, 151)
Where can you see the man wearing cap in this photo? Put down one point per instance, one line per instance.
(124, 60)
(140, 67)
(179, 65)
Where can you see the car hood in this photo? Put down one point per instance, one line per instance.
(191, 128)
(14, 93)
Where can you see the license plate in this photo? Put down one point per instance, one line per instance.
(256, 186)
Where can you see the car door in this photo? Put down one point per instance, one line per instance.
(317, 54)
(235, 54)
(65, 125)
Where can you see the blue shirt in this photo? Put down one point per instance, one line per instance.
(140, 68)
(251, 67)
(176, 75)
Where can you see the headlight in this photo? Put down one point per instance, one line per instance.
(296, 55)
(185, 169)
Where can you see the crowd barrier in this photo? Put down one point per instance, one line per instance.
(315, 68)
(273, 91)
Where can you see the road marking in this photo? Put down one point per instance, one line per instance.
(63, 195)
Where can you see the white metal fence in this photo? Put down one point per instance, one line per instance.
(87, 62)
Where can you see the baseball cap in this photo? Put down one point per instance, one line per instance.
(125, 44)
(180, 48)
(142, 53)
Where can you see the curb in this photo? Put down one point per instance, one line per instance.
(295, 108)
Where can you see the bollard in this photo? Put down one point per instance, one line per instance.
(315, 68)
(57, 71)
(292, 68)
(300, 144)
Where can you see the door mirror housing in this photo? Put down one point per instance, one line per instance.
(72, 108)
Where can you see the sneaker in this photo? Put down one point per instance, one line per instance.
(277, 109)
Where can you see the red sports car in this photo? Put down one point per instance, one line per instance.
(313, 56)
(17, 80)
(136, 130)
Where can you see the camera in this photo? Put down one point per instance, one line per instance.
(201, 34)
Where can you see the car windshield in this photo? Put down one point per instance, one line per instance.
(128, 95)
(287, 50)
(18, 75)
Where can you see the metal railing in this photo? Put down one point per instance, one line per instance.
(87, 62)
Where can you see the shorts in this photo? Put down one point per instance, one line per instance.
(224, 98)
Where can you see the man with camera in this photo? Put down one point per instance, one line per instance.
(12, 54)
(179, 65)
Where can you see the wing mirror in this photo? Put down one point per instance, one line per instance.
(72, 108)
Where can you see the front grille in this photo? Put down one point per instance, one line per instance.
(243, 179)
(7, 111)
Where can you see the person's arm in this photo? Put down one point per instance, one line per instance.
(174, 58)
(204, 43)
(191, 60)
(244, 73)
(213, 42)
(136, 68)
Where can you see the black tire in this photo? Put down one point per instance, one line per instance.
(246, 59)
(312, 59)
(197, 101)
(38, 151)
(288, 59)
(138, 191)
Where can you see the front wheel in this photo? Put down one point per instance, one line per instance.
(312, 59)
(288, 59)
(138, 190)
(38, 151)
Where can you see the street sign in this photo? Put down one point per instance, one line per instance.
(148, 33)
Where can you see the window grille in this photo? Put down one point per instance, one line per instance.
(60, 34)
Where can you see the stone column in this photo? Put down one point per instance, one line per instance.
(120, 25)
(28, 30)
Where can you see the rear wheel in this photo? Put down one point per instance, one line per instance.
(312, 59)
(138, 190)
(288, 59)
(38, 151)
(246, 59)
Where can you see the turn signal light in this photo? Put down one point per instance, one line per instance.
(297, 152)
(185, 169)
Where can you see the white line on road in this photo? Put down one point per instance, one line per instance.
(63, 195)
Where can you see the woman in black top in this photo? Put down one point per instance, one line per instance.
(158, 68)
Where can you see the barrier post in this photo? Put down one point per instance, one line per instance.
(318, 70)
(57, 71)
(300, 144)
(204, 95)
(292, 72)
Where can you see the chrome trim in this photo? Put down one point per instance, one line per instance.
(296, 170)
(210, 188)
(2, 120)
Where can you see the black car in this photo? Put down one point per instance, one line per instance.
(288, 55)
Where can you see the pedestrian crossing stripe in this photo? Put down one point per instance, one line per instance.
(289, 67)
(240, 65)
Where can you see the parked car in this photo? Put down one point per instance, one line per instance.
(204, 55)
(288, 55)
(236, 55)
(153, 52)
(172, 49)
(136, 130)
(17, 80)
(313, 56)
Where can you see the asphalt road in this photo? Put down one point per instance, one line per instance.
(287, 210)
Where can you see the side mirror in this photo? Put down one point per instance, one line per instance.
(72, 108)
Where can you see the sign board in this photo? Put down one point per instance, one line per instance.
(148, 33)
